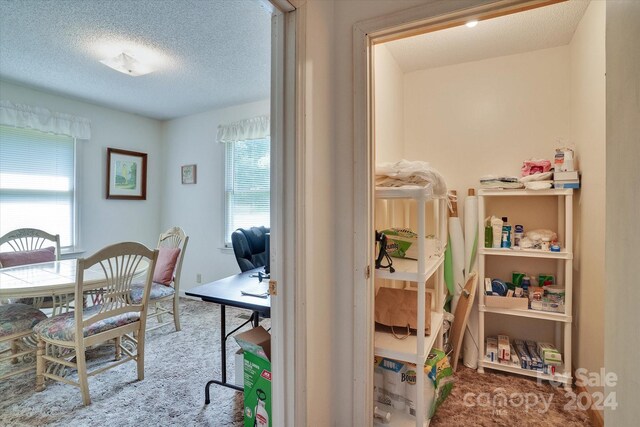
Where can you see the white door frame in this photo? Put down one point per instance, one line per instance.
(288, 399)
(418, 20)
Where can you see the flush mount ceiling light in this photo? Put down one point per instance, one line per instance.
(472, 23)
(128, 65)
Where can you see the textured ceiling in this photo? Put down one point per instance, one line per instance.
(212, 53)
(535, 29)
(208, 54)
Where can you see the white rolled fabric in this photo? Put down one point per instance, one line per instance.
(457, 258)
(469, 343)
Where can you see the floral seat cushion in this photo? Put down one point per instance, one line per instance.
(16, 318)
(158, 290)
(63, 328)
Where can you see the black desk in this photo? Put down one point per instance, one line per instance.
(226, 292)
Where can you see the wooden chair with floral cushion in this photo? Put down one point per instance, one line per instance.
(172, 245)
(66, 336)
(31, 246)
(16, 323)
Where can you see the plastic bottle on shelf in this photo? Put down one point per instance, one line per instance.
(517, 235)
(506, 233)
(488, 234)
(526, 282)
(545, 245)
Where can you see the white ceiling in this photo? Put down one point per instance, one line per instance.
(534, 29)
(214, 53)
(209, 54)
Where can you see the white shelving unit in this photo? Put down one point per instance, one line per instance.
(564, 260)
(403, 207)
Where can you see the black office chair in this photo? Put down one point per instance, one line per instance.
(249, 246)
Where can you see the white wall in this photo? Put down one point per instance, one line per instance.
(319, 209)
(105, 221)
(588, 106)
(487, 117)
(199, 208)
(389, 106)
(622, 322)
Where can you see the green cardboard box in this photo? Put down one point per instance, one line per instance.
(256, 345)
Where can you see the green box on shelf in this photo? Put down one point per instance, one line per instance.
(256, 345)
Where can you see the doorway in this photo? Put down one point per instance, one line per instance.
(370, 35)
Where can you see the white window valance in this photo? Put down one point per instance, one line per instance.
(244, 130)
(26, 116)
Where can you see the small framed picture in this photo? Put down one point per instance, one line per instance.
(126, 174)
(189, 174)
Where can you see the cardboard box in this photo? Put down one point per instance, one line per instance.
(566, 176)
(549, 353)
(504, 350)
(239, 368)
(566, 184)
(256, 345)
(492, 349)
(546, 305)
(506, 302)
(515, 360)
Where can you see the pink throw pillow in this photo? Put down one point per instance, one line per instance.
(11, 259)
(165, 265)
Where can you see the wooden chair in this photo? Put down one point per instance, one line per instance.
(461, 316)
(172, 245)
(29, 246)
(16, 323)
(66, 336)
(30, 239)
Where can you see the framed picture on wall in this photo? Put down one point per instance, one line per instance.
(126, 174)
(189, 174)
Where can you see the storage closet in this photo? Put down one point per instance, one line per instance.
(450, 99)
(398, 354)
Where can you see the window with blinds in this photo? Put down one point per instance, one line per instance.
(37, 182)
(247, 184)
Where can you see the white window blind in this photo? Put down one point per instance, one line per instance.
(37, 182)
(247, 185)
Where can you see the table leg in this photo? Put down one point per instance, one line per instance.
(254, 319)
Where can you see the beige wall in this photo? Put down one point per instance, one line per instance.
(389, 106)
(346, 14)
(622, 294)
(320, 179)
(486, 117)
(588, 134)
(334, 391)
(501, 111)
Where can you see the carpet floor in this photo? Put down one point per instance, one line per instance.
(178, 365)
(501, 399)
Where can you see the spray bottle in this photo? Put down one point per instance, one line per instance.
(262, 417)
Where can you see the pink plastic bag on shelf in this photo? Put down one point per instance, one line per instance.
(533, 166)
